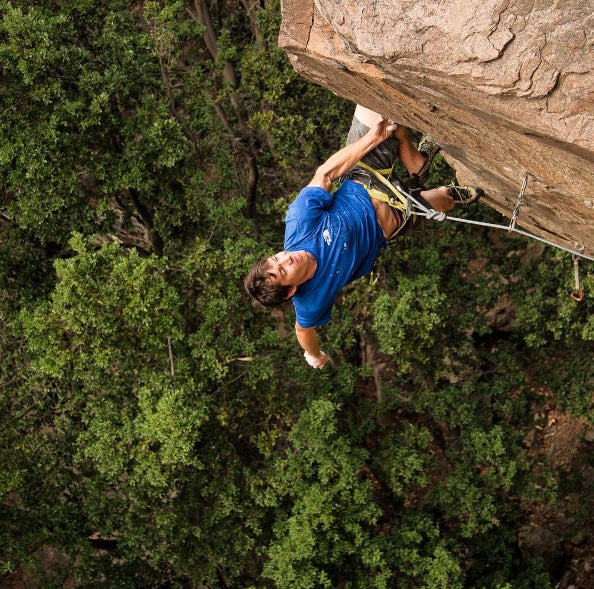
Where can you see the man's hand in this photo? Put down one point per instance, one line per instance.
(316, 361)
(308, 340)
(383, 128)
(344, 159)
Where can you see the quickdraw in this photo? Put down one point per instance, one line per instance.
(577, 294)
(519, 203)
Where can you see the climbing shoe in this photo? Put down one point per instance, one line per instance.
(465, 194)
(428, 149)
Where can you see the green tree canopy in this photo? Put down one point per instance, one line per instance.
(159, 431)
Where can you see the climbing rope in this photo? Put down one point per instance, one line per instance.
(409, 205)
(420, 210)
(431, 214)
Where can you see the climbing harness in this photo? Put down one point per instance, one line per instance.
(398, 199)
(409, 206)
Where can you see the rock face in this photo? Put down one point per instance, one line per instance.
(506, 88)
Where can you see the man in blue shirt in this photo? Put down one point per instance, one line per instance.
(332, 239)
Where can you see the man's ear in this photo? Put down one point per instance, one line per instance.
(291, 292)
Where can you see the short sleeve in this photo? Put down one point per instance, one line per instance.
(311, 318)
(309, 203)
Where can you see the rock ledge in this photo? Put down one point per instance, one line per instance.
(506, 88)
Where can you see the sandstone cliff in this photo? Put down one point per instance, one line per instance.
(506, 88)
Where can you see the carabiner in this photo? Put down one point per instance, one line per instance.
(577, 295)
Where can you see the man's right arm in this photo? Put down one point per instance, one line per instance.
(308, 340)
(344, 159)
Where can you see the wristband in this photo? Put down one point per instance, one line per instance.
(316, 361)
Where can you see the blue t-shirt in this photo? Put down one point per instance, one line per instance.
(342, 232)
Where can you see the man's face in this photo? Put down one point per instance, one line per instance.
(290, 268)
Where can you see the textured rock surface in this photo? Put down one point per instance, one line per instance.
(506, 88)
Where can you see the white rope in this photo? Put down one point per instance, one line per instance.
(440, 216)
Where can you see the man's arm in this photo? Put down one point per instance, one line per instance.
(308, 340)
(344, 159)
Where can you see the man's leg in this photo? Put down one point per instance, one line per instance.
(381, 157)
(445, 197)
(409, 155)
(439, 199)
(406, 151)
(366, 116)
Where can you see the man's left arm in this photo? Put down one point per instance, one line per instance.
(308, 340)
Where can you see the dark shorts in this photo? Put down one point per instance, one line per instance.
(380, 158)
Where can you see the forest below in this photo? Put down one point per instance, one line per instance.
(159, 431)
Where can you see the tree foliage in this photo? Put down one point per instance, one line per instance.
(159, 431)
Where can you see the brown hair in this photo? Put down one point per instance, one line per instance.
(264, 292)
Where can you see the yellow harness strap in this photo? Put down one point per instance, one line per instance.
(398, 201)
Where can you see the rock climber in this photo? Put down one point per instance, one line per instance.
(334, 238)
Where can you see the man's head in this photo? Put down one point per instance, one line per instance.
(273, 280)
(260, 285)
